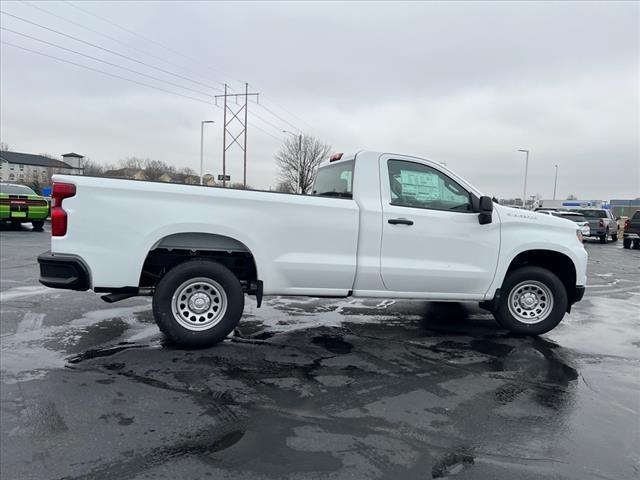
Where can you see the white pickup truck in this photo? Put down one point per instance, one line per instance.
(376, 225)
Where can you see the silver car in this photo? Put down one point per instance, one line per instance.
(577, 218)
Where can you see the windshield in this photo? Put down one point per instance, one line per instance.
(594, 213)
(16, 190)
(335, 180)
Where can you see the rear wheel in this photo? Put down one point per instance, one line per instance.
(198, 303)
(38, 225)
(614, 237)
(604, 238)
(533, 301)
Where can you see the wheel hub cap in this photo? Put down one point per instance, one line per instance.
(199, 304)
(530, 302)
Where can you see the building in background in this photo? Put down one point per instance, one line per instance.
(624, 208)
(30, 169)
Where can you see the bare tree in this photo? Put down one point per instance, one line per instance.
(92, 169)
(187, 171)
(284, 187)
(4, 147)
(132, 162)
(313, 151)
(154, 169)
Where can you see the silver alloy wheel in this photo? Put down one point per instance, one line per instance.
(530, 302)
(199, 304)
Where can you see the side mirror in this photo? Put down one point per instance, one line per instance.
(485, 208)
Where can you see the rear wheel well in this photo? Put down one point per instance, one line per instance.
(557, 263)
(163, 258)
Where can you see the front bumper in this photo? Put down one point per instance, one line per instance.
(64, 271)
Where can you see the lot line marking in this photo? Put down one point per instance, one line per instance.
(30, 321)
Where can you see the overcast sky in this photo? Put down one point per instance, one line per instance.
(463, 83)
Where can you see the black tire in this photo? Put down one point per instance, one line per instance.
(614, 237)
(38, 225)
(636, 245)
(514, 280)
(626, 242)
(175, 279)
(604, 238)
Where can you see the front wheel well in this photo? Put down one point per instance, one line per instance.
(558, 263)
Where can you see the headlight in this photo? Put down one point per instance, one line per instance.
(579, 235)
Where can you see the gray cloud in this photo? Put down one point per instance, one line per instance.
(465, 83)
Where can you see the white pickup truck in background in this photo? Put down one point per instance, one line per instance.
(376, 225)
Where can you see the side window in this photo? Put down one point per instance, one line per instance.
(335, 180)
(416, 185)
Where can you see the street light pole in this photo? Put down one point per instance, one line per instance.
(555, 183)
(202, 149)
(299, 157)
(526, 169)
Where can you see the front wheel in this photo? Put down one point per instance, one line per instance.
(533, 301)
(198, 303)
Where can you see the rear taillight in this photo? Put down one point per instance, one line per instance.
(59, 192)
(601, 223)
(627, 223)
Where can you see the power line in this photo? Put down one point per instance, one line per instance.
(113, 39)
(273, 125)
(103, 72)
(141, 51)
(279, 117)
(108, 50)
(106, 62)
(132, 32)
(294, 116)
(265, 132)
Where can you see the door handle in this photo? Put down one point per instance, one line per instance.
(400, 221)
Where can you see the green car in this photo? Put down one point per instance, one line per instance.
(19, 204)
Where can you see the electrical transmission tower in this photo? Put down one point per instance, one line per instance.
(228, 137)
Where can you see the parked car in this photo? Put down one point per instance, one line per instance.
(602, 224)
(20, 204)
(631, 232)
(545, 211)
(376, 225)
(577, 218)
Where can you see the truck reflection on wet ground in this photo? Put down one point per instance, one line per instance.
(365, 399)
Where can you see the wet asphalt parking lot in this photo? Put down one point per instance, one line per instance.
(321, 389)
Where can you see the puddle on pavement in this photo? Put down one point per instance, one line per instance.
(333, 343)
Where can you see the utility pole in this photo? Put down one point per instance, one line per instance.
(235, 116)
(555, 183)
(202, 148)
(526, 169)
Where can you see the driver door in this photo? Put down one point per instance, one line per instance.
(432, 242)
